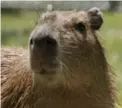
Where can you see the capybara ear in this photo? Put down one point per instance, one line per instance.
(96, 18)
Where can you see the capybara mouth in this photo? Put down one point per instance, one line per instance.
(47, 71)
(49, 68)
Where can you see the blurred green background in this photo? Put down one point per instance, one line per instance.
(16, 26)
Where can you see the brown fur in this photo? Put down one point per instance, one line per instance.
(84, 82)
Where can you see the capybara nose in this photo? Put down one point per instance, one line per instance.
(45, 42)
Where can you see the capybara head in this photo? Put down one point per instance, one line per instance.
(65, 47)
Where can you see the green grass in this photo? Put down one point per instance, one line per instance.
(20, 21)
(110, 37)
(18, 40)
(24, 20)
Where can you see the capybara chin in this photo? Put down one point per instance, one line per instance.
(64, 66)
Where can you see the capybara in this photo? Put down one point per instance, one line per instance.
(64, 66)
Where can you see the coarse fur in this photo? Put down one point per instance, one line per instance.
(82, 78)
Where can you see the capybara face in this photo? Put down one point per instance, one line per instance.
(66, 44)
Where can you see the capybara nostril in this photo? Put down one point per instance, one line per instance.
(45, 42)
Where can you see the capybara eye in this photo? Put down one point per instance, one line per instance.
(31, 41)
(80, 27)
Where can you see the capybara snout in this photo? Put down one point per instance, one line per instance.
(44, 49)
